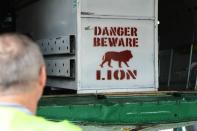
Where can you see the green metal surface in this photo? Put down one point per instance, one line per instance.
(123, 110)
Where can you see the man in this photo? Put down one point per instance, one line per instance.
(22, 80)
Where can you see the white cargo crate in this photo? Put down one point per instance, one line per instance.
(96, 46)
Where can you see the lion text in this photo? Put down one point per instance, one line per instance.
(116, 75)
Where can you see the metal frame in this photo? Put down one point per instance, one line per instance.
(189, 66)
(170, 67)
(196, 83)
(55, 46)
(59, 67)
(156, 46)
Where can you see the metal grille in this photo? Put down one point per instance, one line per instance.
(59, 45)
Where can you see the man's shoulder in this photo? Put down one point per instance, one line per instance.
(20, 121)
(65, 125)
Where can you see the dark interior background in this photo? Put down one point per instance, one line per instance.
(177, 22)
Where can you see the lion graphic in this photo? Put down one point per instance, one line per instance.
(123, 56)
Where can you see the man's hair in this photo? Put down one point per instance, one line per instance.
(20, 60)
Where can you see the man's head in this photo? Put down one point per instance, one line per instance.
(22, 68)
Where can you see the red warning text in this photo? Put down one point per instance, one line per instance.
(115, 37)
(116, 75)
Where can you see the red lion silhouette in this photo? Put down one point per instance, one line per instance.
(123, 56)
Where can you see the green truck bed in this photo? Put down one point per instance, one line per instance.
(121, 110)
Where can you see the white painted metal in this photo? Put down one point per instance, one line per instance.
(138, 8)
(52, 22)
(156, 45)
(142, 61)
(145, 57)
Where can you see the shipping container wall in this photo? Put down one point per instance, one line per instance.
(96, 46)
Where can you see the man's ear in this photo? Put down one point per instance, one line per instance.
(42, 76)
